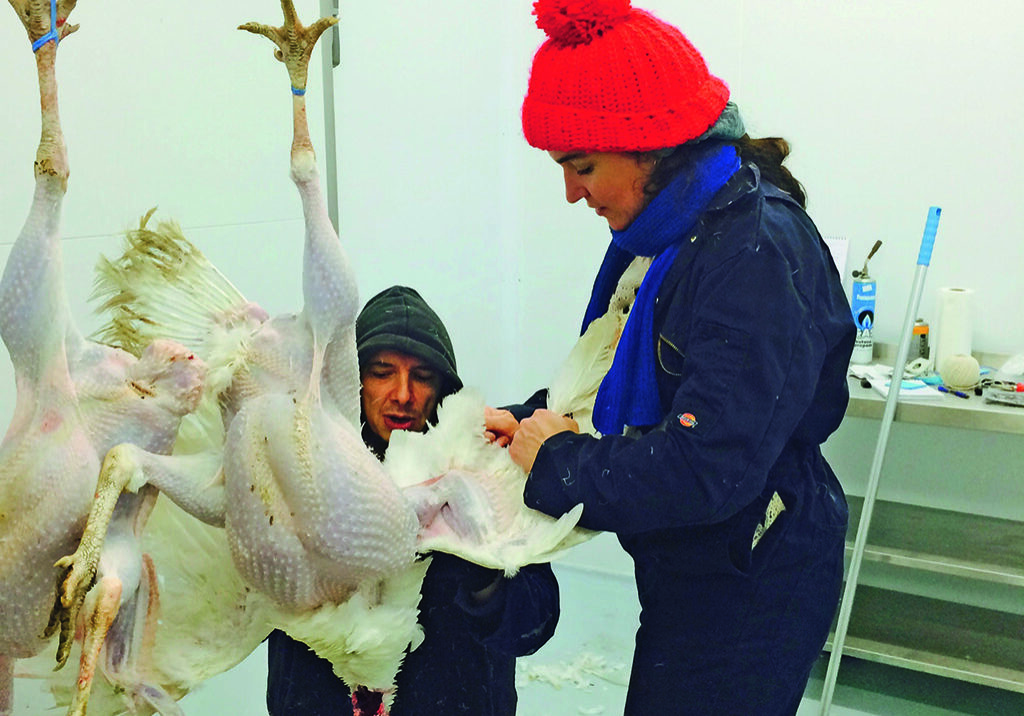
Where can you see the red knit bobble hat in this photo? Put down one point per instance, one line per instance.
(612, 78)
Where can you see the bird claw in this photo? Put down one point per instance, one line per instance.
(78, 577)
(35, 16)
(294, 41)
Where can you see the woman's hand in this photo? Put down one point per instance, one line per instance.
(500, 426)
(532, 433)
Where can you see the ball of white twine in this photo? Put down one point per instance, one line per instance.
(960, 372)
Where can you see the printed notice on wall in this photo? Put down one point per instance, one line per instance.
(839, 246)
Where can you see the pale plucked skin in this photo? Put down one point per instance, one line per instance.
(267, 366)
(76, 400)
(310, 513)
(313, 521)
(290, 408)
(310, 517)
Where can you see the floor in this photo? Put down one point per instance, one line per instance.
(584, 669)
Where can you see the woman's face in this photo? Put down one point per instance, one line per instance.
(612, 183)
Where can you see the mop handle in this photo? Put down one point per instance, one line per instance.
(923, 258)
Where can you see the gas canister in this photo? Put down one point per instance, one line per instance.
(862, 304)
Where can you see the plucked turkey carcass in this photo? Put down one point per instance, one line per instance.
(76, 401)
(311, 519)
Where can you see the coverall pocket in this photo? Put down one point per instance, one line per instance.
(758, 535)
(670, 357)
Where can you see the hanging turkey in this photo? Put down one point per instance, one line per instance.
(76, 400)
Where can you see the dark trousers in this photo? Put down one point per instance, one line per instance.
(740, 644)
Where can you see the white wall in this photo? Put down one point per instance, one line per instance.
(891, 106)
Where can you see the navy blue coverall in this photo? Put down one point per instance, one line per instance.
(754, 336)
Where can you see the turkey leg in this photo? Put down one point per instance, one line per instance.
(329, 287)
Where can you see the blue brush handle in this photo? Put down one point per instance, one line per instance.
(924, 257)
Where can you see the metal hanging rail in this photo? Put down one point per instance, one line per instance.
(330, 52)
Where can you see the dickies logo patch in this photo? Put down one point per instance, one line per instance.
(687, 420)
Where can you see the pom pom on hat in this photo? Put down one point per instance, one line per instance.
(613, 78)
(573, 22)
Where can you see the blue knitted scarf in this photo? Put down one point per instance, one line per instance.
(629, 392)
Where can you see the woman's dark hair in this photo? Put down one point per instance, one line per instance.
(767, 153)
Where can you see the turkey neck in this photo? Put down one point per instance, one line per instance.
(329, 287)
(34, 319)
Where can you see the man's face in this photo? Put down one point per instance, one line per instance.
(399, 392)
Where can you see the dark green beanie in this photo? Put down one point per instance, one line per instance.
(399, 319)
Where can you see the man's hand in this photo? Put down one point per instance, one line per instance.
(532, 433)
(500, 426)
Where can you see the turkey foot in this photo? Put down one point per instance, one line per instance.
(80, 567)
(294, 42)
(35, 15)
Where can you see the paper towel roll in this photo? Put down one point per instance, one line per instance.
(953, 330)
